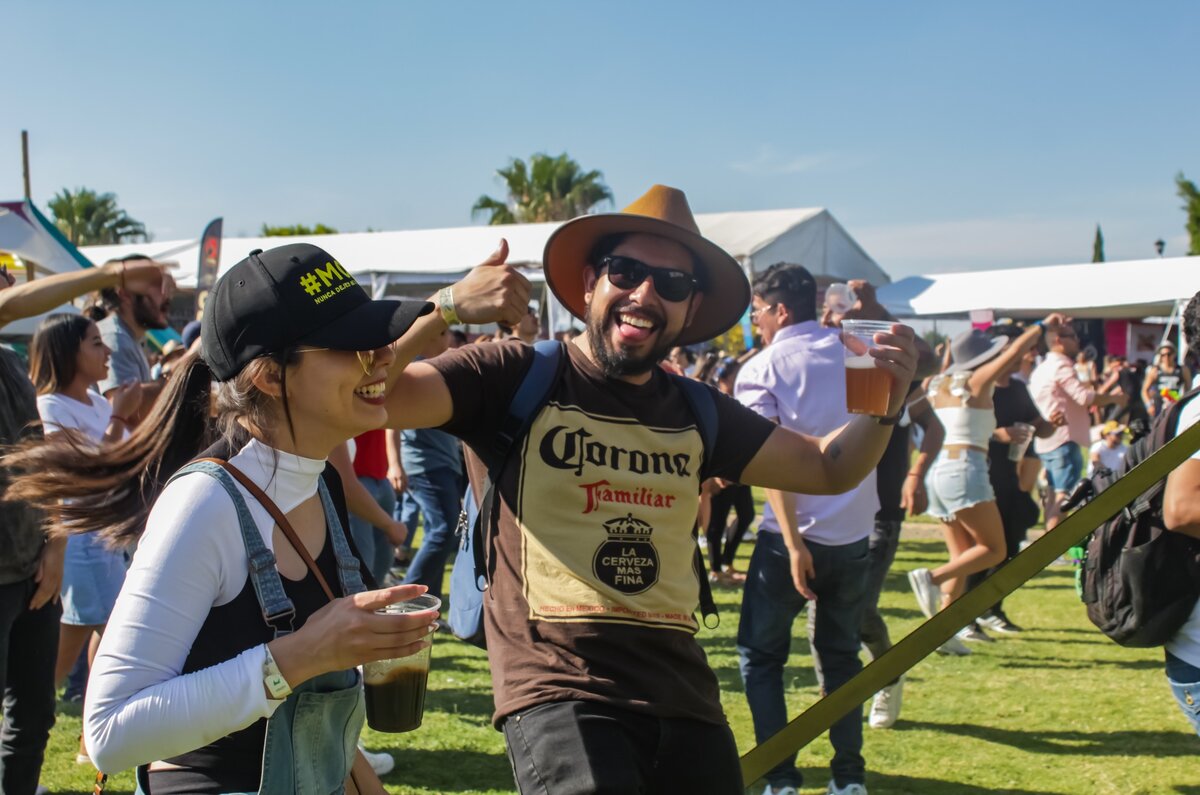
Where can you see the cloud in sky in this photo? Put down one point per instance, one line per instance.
(770, 162)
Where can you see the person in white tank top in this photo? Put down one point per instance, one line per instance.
(960, 493)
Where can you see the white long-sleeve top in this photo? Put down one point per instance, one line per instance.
(191, 558)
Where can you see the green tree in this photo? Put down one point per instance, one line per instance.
(1098, 246)
(296, 229)
(1191, 205)
(544, 189)
(88, 218)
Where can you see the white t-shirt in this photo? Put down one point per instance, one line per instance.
(59, 411)
(1186, 643)
(1110, 457)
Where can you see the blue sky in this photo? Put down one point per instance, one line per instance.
(943, 135)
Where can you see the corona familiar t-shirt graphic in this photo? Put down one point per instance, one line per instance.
(594, 591)
(617, 544)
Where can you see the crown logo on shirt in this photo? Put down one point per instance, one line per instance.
(627, 528)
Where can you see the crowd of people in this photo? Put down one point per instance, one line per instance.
(206, 537)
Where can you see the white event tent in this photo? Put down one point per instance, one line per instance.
(1110, 290)
(416, 262)
(38, 246)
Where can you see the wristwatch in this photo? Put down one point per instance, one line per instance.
(273, 680)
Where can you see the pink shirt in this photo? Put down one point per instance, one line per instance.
(1055, 386)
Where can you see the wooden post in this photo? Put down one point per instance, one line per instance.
(25, 160)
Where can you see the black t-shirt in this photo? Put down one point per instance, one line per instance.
(21, 536)
(594, 589)
(1013, 404)
(890, 475)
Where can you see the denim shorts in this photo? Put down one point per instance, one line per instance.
(92, 577)
(1064, 466)
(956, 484)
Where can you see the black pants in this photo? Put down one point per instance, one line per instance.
(738, 497)
(578, 747)
(28, 648)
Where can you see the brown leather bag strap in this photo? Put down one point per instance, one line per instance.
(279, 518)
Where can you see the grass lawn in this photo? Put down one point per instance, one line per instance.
(1056, 709)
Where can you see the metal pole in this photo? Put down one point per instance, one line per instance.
(25, 161)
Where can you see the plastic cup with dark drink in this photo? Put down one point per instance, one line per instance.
(868, 387)
(395, 688)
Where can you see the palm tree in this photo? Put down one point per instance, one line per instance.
(88, 218)
(547, 189)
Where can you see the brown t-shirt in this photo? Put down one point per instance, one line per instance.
(595, 592)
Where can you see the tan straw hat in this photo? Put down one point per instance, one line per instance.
(664, 212)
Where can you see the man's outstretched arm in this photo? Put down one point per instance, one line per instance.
(837, 462)
(417, 395)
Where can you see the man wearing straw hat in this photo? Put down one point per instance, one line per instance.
(599, 683)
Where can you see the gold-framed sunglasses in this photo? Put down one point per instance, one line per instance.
(366, 359)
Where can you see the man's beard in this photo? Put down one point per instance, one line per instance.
(615, 361)
(147, 315)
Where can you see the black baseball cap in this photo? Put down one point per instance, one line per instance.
(292, 296)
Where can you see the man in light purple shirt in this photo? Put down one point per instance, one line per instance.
(1058, 391)
(809, 547)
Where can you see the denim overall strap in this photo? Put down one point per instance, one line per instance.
(349, 567)
(278, 610)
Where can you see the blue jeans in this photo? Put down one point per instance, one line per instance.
(438, 493)
(409, 512)
(373, 544)
(1184, 679)
(769, 608)
(1064, 466)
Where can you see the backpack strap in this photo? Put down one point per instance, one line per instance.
(533, 391)
(1165, 428)
(704, 409)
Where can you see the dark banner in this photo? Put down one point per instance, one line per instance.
(210, 261)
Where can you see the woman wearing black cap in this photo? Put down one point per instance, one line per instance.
(233, 675)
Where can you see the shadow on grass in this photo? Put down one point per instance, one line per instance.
(446, 770)
(1017, 661)
(466, 704)
(910, 785)
(1071, 743)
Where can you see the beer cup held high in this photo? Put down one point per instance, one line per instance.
(868, 387)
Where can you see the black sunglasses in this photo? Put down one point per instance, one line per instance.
(626, 273)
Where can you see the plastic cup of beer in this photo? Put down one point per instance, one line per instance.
(868, 386)
(395, 688)
(1016, 450)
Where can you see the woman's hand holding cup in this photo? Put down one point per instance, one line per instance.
(348, 632)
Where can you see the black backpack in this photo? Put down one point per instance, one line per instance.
(1140, 582)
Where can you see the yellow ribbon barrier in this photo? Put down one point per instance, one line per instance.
(923, 640)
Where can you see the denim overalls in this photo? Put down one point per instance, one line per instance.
(312, 736)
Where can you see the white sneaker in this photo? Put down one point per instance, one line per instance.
(885, 708)
(929, 596)
(850, 789)
(382, 763)
(41, 790)
(781, 791)
(954, 647)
